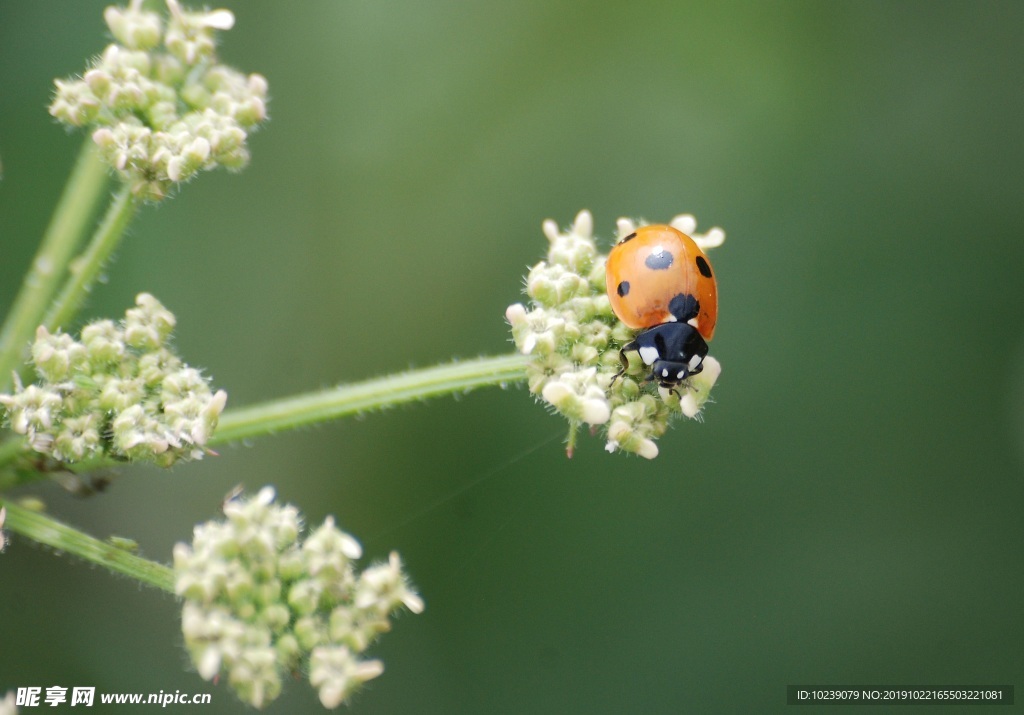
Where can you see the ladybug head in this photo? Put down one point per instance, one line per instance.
(674, 351)
(669, 373)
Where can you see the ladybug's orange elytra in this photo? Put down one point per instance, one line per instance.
(659, 281)
(652, 266)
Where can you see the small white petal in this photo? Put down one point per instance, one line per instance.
(685, 223)
(368, 670)
(220, 19)
(584, 224)
(712, 239)
(350, 547)
(174, 168)
(209, 664)
(413, 602)
(550, 229)
(596, 412)
(265, 496)
(515, 314)
(624, 227)
(648, 449)
(688, 405)
(556, 391)
(712, 369)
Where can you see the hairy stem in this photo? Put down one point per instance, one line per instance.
(270, 417)
(291, 412)
(375, 394)
(76, 207)
(86, 268)
(46, 530)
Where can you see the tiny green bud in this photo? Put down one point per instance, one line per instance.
(336, 673)
(74, 103)
(255, 676)
(57, 355)
(134, 27)
(190, 34)
(148, 325)
(309, 632)
(104, 342)
(578, 396)
(289, 652)
(328, 552)
(634, 425)
(78, 439)
(384, 587)
(124, 543)
(118, 394)
(33, 408)
(276, 616)
(304, 596)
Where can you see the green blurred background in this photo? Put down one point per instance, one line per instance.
(848, 512)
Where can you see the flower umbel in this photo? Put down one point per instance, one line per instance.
(118, 392)
(162, 113)
(261, 603)
(574, 338)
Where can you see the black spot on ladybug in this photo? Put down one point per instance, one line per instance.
(623, 289)
(684, 307)
(659, 261)
(703, 267)
(630, 237)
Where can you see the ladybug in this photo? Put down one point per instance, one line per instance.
(660, 282)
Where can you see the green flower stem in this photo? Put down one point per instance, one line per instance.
(86, 268)
(77, 204)
(376, 394)
(47, 530)
(292, 412)
(270, 417)
(235, 425)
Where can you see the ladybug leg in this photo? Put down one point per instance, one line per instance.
(622, 359)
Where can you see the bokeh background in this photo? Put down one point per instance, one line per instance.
(848, 512)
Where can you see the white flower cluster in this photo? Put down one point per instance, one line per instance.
(162, 115)
(118, 392)
(574, 338)
(261, 604)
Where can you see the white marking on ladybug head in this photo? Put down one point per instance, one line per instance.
(664, 372)
(681, 374)
(694, 362)
(692, 322)
(648, 354)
